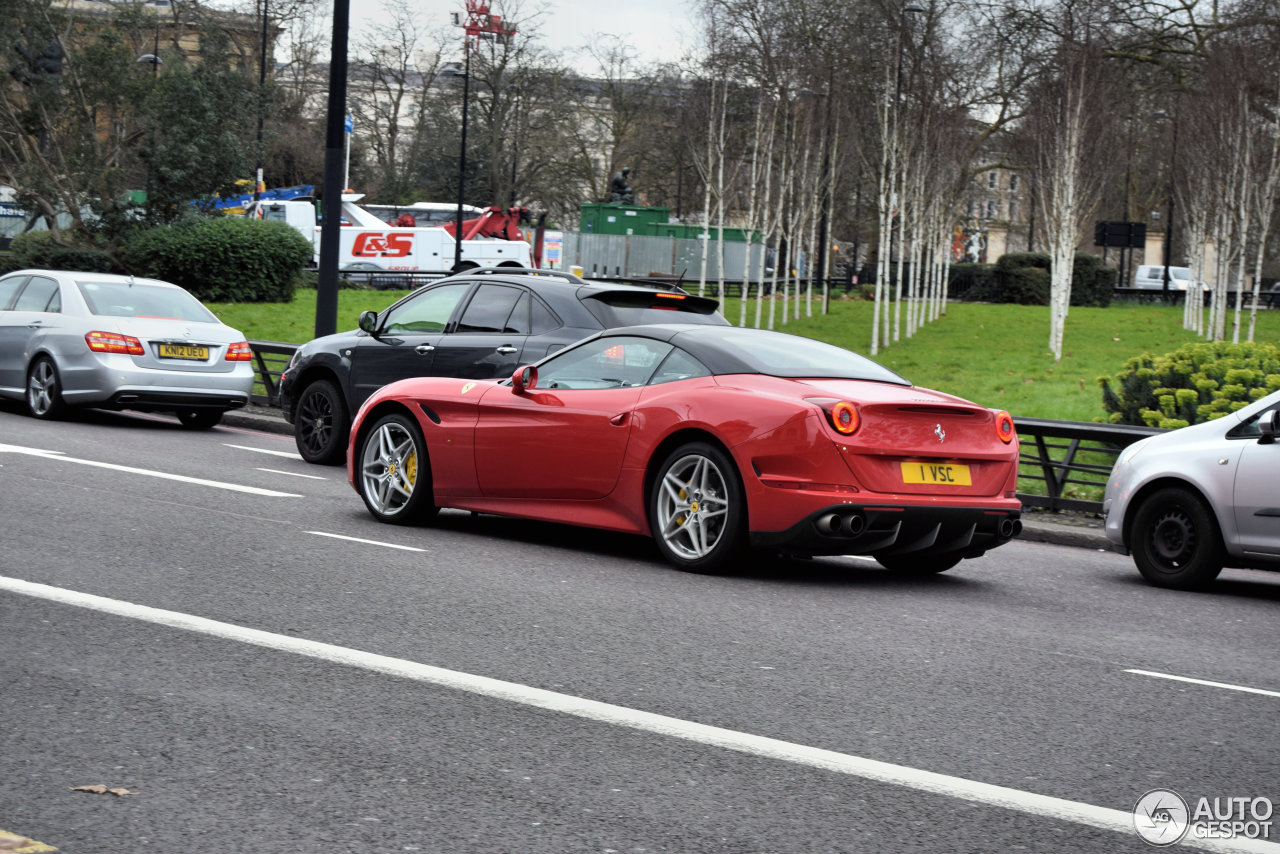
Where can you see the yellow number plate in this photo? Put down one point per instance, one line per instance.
(943, 474)
(184, 351)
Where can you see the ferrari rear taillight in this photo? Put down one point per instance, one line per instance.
(113, 342)
(240, 352)
(842, 415)
(1004, 427)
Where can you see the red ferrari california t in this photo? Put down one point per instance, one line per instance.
(713, 440)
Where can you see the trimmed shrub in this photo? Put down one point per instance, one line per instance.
(1195, 383)
(224, 259)
(36, 250)
(1092, 282)
(1023, 278)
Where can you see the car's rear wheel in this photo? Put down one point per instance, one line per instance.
(697, 512)
(395, 475)
(1175, 540)
(199, 419)
(321, 425)
(920, 564)
(44, 390)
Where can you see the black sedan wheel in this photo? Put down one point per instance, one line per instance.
(44, 390)
(395, 475)
(697, 511)
(1175, 540)
(321, 425)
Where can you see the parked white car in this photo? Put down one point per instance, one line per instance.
(1188, 502)
(1150, 277)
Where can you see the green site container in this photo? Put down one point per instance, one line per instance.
(600, 218)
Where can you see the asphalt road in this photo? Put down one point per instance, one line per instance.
(204, 620)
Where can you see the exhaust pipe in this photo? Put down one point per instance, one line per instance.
(855, 525)
(828, 524)
(1010, 528)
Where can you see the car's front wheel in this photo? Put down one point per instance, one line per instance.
(697, 511)
(394, 473)
(321, 425)
(44, 390)
(1175, 540)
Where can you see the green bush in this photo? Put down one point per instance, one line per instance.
(1092, 282)
(1024, 279)
(1193, 384)
(36, 250)
(223, 259)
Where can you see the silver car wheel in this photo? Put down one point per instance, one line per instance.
(389, 468)
(693, 506)
(44, 395)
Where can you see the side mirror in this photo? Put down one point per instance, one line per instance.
(368, 321)
(524, 379)
(1267, 423)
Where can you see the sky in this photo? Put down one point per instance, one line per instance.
(658, 29)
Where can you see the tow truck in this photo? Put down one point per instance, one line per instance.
(369, 243)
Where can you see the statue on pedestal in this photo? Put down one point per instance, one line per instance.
(620, 192)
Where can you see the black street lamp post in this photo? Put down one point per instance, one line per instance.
(462, 159)
(262, 82)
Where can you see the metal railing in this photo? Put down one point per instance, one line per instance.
(270, 358)
(1071, 456)
(1066, 457)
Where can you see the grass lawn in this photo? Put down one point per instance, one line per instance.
(995, 355)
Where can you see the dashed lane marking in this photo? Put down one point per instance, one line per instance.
(198, 481)
(287, 454)
(293, 474)
(1206, 683)
(366, 542)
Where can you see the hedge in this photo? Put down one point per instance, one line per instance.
(1024, 278)
(36, 250)
(1195, 383)
(224, 259)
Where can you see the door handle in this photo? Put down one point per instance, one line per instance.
(507, 350)
(618, 420)
(423, 349)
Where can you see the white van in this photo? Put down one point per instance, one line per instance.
(1150, 277)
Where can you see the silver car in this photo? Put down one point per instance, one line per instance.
(1188, 502)
(117, 342)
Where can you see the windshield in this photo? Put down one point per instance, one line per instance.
(136, 299)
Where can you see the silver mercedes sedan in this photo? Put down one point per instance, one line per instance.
(1188, 502)
(117, 342)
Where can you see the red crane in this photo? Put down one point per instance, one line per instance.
(481, 23)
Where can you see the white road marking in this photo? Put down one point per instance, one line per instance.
(199, 481)
(293, 473)
(290, 454)
(1207, 683)
(1118, 821)
(367, 542)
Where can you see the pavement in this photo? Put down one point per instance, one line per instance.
(1081, 530)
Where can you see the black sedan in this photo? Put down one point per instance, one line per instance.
(476, 325)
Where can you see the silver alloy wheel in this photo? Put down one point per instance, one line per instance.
(389, 468)
(693, 506)
(42, 387)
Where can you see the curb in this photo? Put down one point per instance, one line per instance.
(269, 420)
